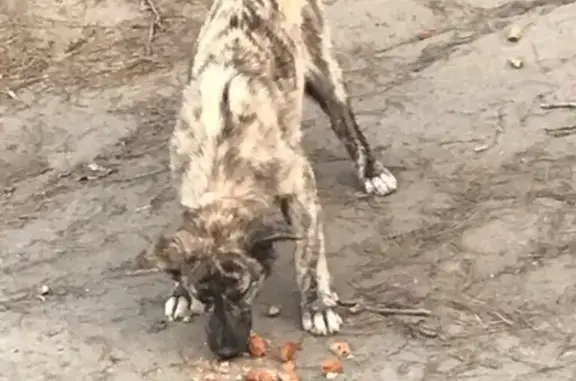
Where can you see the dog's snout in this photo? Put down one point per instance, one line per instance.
(227, 353)
(228, 332)
(227, 344)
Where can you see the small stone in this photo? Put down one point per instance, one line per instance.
(44, 290)
(355, 309)
(224, 367)
(515, 34)
(273, 311)
(96, 167)
(515, 63)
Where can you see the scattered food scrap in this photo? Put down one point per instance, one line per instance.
(224, 367)
(425, 34)
(288, 376)
(332, 367)
(260, 375)
(514, 34)
(257, 346)
(288, 372)
(341, 349)
(515, 63)
(273, 311)
(288, 351)
(288, 367)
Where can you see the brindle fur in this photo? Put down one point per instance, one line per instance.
(236, 151)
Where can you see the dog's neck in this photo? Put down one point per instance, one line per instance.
(224, 219)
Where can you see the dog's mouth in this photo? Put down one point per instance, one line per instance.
(228, 330)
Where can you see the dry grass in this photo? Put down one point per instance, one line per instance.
(22, 60)
(102, 56)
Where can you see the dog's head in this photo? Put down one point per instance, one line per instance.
(227, 274)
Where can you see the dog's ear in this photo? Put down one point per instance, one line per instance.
(172, 251)
(260, 239)
(264, 235)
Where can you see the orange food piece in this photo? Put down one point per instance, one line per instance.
(257, 346)
(260, 375)
(289, 376)
(332, 366)
(288, 367)
(288, 351)
(341, 349)
(288, 372)
(425, 34)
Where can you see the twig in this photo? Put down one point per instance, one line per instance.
(551, 106)
(537, 58)
(136, 273)
(151, 31)
(141, 176)
(143, 271)
(399, 311)
(11, 94)
(387, 310)
(154, 10)
(156, 21)
(561, 132)
(504, 319)
(496, 137)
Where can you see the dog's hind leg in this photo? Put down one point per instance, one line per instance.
(318, 299)
(324, 84)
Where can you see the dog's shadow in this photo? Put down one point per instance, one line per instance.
(280, 289)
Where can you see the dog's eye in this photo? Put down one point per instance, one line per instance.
(236, 291)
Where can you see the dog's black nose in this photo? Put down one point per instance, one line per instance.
(227, 353)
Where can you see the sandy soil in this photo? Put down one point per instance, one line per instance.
(481, 231)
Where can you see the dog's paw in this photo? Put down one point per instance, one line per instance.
(181, 305)
(177, 307)
(382, 183)
(321, 323)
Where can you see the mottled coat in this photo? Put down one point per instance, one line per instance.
(236, 152)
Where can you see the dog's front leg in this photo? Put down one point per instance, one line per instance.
(325, 84)
(318, 299)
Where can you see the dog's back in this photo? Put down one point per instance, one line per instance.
(244, 102)
(254, 36)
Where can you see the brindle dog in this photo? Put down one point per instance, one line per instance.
(236, 151)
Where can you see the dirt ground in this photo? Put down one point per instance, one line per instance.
(481, 231)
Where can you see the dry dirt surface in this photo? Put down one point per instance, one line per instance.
(481, 231)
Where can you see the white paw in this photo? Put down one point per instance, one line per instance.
(197, 307)
(381, 185)
(179, 307)
(322, 323)
(176, 308)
